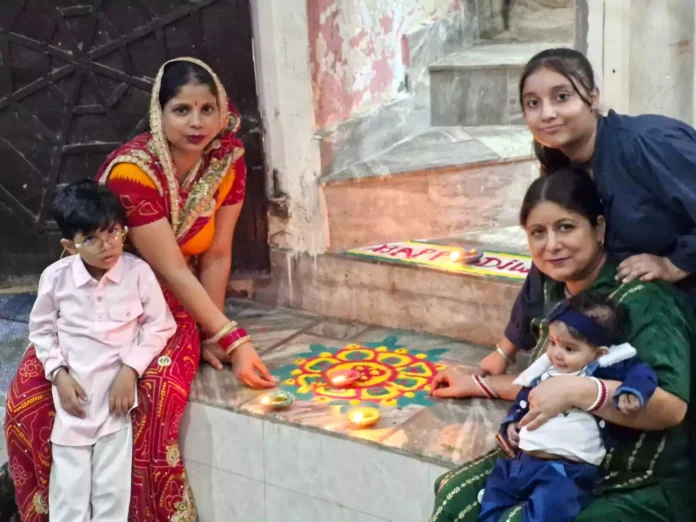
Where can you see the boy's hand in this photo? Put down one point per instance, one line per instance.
(628, 403)
(513, 435)
(70, 393)
(122, 394)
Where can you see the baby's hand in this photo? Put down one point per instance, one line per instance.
(513, 435)
(122, 394)
(628, 403)
(70, 393)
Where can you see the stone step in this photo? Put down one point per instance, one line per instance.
(396, 293)
(445, 181)
(479, 86)
(553, 20)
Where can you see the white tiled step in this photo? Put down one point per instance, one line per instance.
(254, 470)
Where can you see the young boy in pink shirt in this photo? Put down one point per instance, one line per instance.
(99, 320)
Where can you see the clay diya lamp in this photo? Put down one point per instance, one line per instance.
(468, 257)
(363, 416)
(278, 399)
(342, 378)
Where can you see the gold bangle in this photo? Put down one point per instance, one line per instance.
(504, 355)
(231, 325)
(237, 344)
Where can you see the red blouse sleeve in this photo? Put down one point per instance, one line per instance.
(138, 195)
(238, 190)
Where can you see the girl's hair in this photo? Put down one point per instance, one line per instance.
(568, 187)
(180, 73)
(574, 66)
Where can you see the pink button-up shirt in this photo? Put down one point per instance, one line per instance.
(92, 327)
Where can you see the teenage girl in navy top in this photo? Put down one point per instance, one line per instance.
(644, 168)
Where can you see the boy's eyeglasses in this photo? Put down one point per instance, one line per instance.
(111, 238)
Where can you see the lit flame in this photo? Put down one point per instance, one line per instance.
(266, 400)
(339, 379)
(357, 416)
(455, 255)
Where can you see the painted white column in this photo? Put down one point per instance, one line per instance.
(595, 40)
(661, 53)
(284, 83)
(616, 67)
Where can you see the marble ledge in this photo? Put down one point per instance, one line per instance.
(443, 433)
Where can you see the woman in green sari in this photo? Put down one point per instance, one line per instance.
(647, 475)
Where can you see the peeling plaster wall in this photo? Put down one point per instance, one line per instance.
(285, 99)
(358, 60)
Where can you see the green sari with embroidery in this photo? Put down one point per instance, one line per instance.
(647, 475)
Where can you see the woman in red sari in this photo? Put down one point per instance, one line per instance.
(182, 186)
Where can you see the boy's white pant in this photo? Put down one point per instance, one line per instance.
(92, 483)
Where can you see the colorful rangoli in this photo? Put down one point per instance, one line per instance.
(391, 375)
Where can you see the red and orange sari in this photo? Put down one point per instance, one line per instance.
(142, 174)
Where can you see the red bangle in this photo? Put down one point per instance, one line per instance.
(602, 396)
(487, 391)
(232, 340)
(605, 396)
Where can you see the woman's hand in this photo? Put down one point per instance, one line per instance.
(246, 364)
(214, 355)
(493, 364)
(454, 384)
(648, 267)
(553, 397)
(248, 367)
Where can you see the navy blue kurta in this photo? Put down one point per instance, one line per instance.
(645, 171)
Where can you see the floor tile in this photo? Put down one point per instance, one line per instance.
(339, 330)
(13, 344)
(16, 307)
(267, 328)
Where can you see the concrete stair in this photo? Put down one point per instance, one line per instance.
(479, 85)
(460, 182)
(405, 296)
(528, 20)
(442, 182)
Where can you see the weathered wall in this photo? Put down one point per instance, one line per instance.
(358, 60)
(644, 52)
(296, 217)
(661, 60)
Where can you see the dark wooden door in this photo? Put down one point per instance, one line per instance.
(75, 78)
